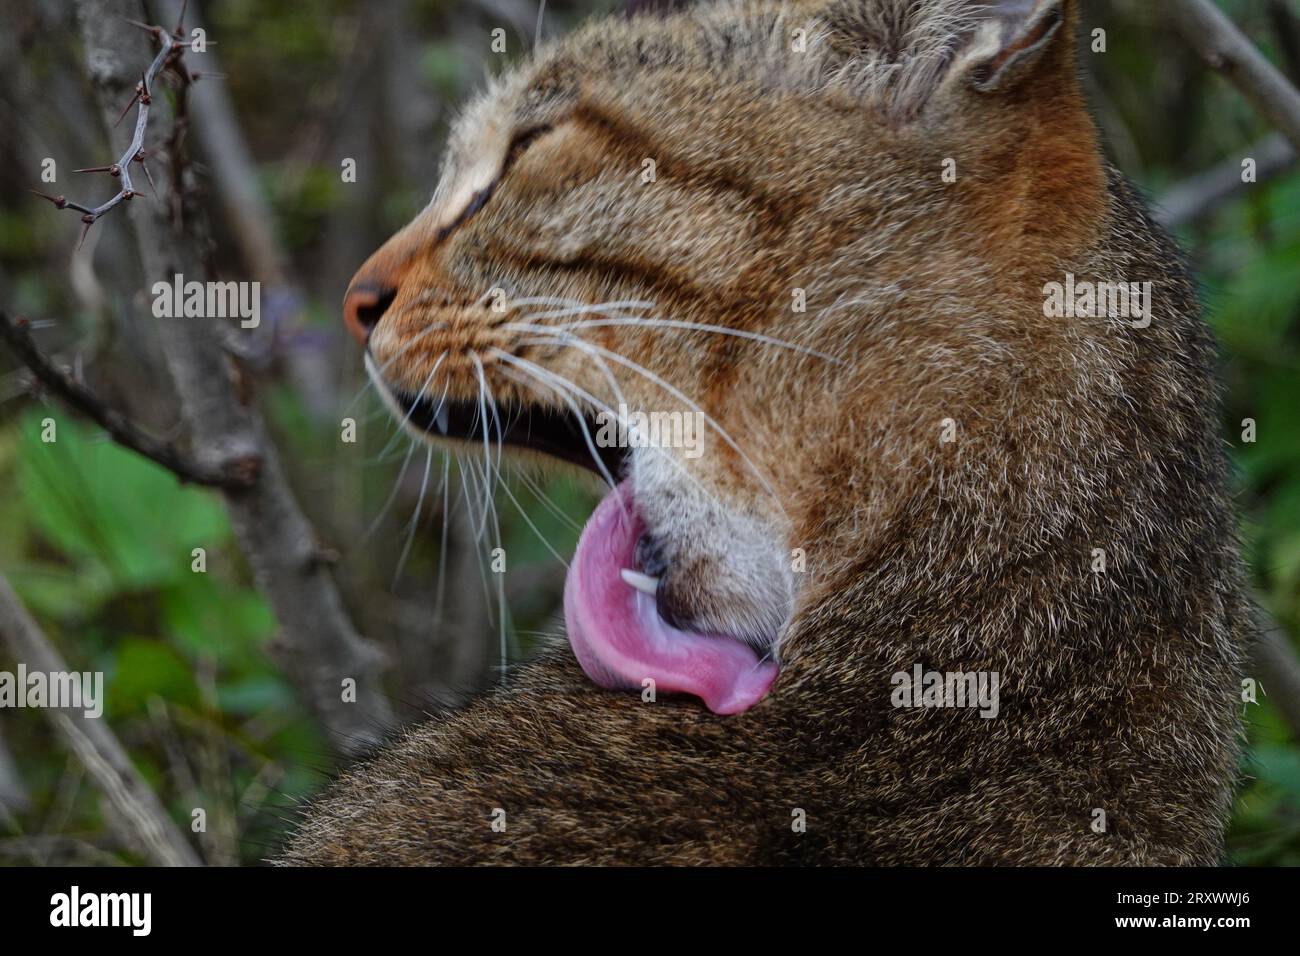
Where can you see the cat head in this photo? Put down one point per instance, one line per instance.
(792, 228)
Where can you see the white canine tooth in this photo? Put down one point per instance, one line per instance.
(642, 582)
(442, 418)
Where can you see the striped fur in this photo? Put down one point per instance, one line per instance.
(820, 170)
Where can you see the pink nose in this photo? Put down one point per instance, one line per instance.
(406, 257)
(364, 305)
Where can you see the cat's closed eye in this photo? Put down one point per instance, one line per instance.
(518, 145)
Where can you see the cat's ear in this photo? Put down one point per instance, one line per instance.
(1016, 43)
(980, 46)
(1012, 90)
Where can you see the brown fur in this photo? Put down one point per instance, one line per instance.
(822, 171)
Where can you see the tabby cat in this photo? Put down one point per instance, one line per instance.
(836, 233)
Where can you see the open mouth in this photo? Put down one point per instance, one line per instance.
(612, 617)
(561, 435)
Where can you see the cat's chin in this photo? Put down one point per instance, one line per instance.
(619, 637)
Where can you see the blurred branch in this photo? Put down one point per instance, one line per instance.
(1226, 49)
(317, 642)
(13, 793)
(248, 215)
(1279, 669)
(1201, 194)
(231, 165)
(39, 849)
(1287, 30)
(145, 821)
(239, 473)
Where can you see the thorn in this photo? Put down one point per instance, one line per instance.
(128, 106)
(180, 22)
(89, 220)
(149, 176)
(98, 169)
(153, 31)
(59, 201)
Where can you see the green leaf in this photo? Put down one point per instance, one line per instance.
(206, 615)
(103, 505)
(146, 668)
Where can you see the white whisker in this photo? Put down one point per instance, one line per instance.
(597, 403)
(525, 366)
(439, 608)
(486, 425)
(378, 372)
(524, 514)
(415, 520)
(680, 396)
(411, 411)
(652, 322)
(392, 495)
(546, 501)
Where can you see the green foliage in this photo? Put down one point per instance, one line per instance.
(118, 522)
(99, 542)
(1249, 252)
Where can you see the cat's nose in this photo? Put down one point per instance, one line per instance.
(375, 285)
(400, 261)
(365, 303)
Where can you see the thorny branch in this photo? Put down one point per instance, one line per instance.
(240, 473)
(168, 57)
(317, 642)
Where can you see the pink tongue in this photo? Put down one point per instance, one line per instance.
(619, 637)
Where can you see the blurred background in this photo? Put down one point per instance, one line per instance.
(97, 541)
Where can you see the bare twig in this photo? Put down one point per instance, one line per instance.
(317, 641)
(1201, 194)
(1225, 48)
(172, 46)
(240, 473)
(145, 823)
